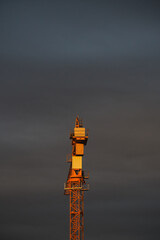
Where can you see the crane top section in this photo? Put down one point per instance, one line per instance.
(79, 139)
(78, 122)
(79, 134)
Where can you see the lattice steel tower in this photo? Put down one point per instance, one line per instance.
(76, 185)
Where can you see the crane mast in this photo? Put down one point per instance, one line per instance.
(75, 184)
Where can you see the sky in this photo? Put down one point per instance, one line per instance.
(100, 60)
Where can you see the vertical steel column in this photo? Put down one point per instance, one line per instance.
(82, 213)
(75, 184)
(75, 212)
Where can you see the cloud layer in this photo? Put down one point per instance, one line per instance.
(98, 60)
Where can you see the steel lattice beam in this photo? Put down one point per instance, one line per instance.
(75, 185)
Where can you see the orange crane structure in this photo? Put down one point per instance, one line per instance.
(75, 184)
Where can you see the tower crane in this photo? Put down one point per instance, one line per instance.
(76, 184)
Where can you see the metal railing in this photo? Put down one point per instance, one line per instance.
(82, 187)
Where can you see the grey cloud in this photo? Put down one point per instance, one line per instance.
(107, 75)
(79, 31)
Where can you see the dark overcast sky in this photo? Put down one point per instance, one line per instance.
(98, 59)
